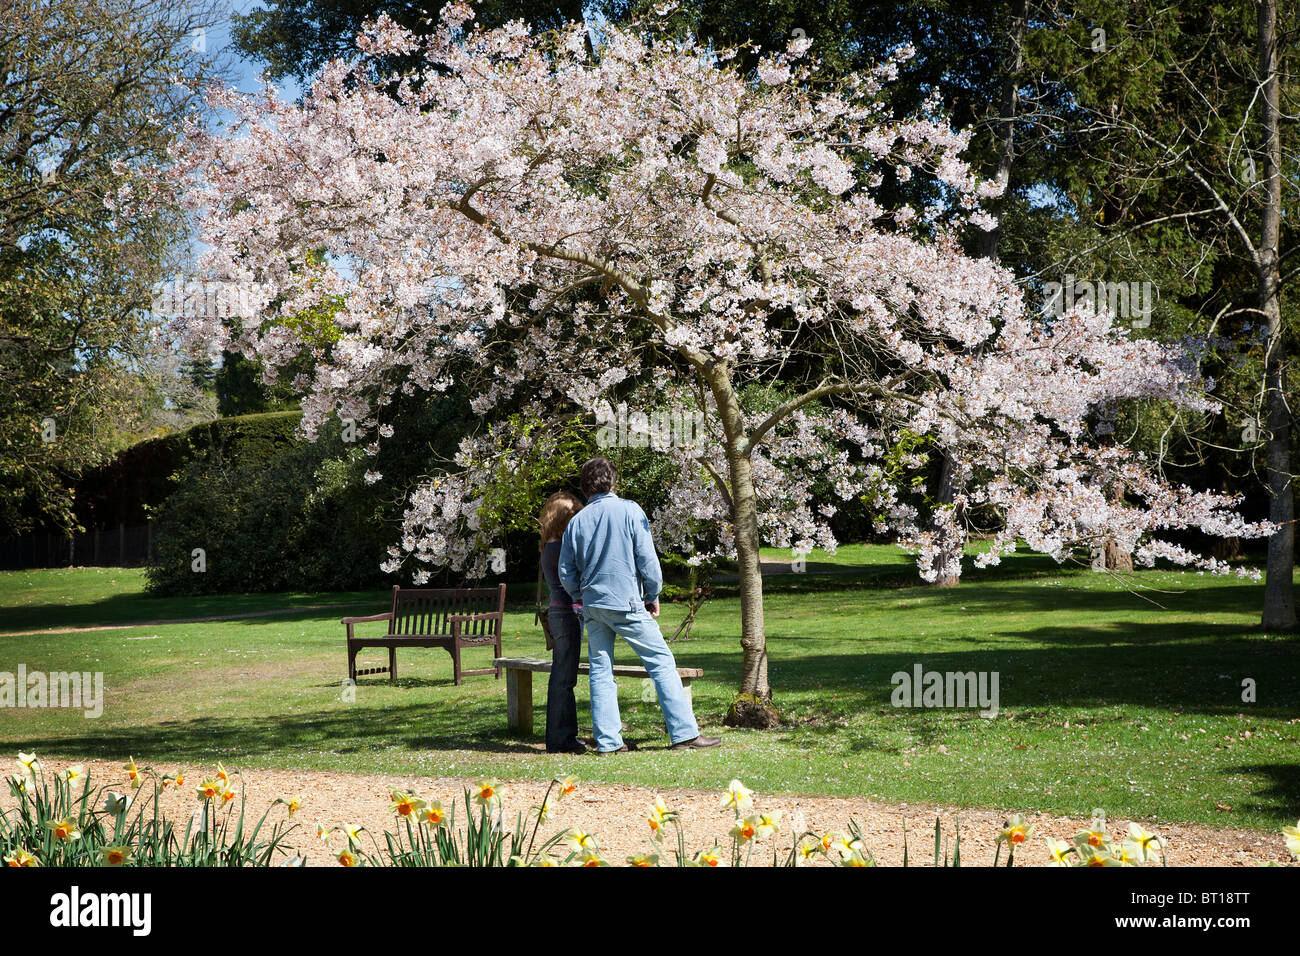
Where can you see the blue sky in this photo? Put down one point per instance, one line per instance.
(245, 71)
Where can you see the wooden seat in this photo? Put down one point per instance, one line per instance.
(450, 618)
(519, 684)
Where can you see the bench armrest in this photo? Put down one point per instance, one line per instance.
(386, 616)
(462, 618)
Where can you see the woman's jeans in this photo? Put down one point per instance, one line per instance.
(561, 707)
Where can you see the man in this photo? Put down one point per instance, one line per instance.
(608, 558)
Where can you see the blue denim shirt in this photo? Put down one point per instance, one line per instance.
(607, 556)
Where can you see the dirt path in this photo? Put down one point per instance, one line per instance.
(616, 815)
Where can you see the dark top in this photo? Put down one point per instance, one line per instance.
(551, 568)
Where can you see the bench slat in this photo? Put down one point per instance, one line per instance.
(620, 670)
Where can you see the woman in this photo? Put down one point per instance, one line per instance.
(566, 630)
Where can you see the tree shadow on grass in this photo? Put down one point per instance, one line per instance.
(1282, 789)
(355, 730)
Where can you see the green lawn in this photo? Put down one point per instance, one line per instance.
(1107, 699)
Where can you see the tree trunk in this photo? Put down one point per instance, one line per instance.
(752, 706)
(1279, 597)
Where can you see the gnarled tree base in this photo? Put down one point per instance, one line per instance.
(749, 710)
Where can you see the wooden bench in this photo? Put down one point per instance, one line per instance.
(519, 684)
(450, 618)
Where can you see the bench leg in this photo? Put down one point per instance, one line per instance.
(455, 663)
(392, 663)
(519, 700)
(686, 686)
(352, 663)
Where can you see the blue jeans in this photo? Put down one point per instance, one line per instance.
(639, 629)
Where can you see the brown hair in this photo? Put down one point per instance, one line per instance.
(598, 477)
(556, 514)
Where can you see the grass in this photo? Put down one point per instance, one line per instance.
(1107, 699)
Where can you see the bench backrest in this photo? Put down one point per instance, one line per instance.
(424, 611)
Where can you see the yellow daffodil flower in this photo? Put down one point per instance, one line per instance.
(19, 858)
(433, 815)
(115, 803)
(1015, 831)
(744, 830)
(767, 824)
(65, 829)
(856, 858)
(133, 772)
(738, 797)
(353, 834)
(209, 789)
(1149, 843)
(1096, 856)
(592, 858)
(579, 842)
(18, 784)
(74, 773)
(1059, 851)
(323, 834)
(405, 805)
(659, 816)
(29, 763)
(488, 793)
(566, 786)
(114, 855)
(644, 859)
(712, 857)
(347, 858)
(1292, 835)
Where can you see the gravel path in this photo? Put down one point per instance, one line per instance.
(616, 816)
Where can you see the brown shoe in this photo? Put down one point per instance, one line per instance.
(621, 750)
(698, 743)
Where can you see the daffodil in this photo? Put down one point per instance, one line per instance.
(19, 858)
(133, 772)
(766, 824)
(65, 829)
(114, 855)
(74, 773)
(227, 795)
(1059, 851)
(433, 815)
(1096, 855)
(353, 834)
(1015, 831)
(1149, 843)
(405, 805)
(579, 842)
(842, 846)
(809, 850)
(744, 830)
(323, 834)
(223, 774)
(1129, 853)
(544, 861)
(347, 858)
(566, 786)
(659, 816)
(1292, 835)
(487, 793)
(29, 763)
(738, 797)
(711, 857)
(116, 803)
(209, 789)
(644, 859)
(592, 858)
(294, 804)
(856, 858)
(18, 784)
